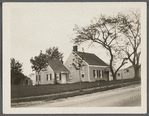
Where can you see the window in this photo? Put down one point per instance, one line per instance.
(82, 75)
(50, 76)
(118, 74)
(127, 70)
(95, 73)
(57, 76)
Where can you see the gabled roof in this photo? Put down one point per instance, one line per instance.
(57, 66)
(91, 59)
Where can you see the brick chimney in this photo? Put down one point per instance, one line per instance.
(75, 48)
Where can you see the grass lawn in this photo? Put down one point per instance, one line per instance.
(18, 91)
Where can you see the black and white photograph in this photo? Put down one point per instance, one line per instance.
(74, 57)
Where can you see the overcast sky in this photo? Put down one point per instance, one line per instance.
(39, 26)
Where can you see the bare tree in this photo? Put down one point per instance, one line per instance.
(130, 27)
(78, 64)
(103, 32)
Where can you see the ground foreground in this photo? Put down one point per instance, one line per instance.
(19, 91)
(122, 97)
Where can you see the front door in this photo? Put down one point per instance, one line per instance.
(63, 77)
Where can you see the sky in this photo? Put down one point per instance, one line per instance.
(39, 26)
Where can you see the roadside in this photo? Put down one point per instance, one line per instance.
(43, 98)
(129, 96)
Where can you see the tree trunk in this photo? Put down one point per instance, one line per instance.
(114, 77)
(111, 67)
(136, 72)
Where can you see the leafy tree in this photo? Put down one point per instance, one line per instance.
(54, 54)
(103, 32)
(16, 71)
(16, 66)
(130, 27)
(39, 62)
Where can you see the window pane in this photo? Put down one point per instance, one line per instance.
(82, 75)
(57, 76)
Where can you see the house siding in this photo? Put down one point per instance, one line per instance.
(85, 72)
(123, 74)
(33, 78)
(43, 77)
(74, 74)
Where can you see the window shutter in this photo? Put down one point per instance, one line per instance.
(55, 77)
(60, 76)
(94, 73)
(97, 73)
(50, 76)
(39, 78)
(36, 78)
(47, 77)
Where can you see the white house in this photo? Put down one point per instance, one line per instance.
(55, 71)
(93, 69)
(32, 76)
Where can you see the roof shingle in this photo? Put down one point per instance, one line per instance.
(91, 59)
(57, 66)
